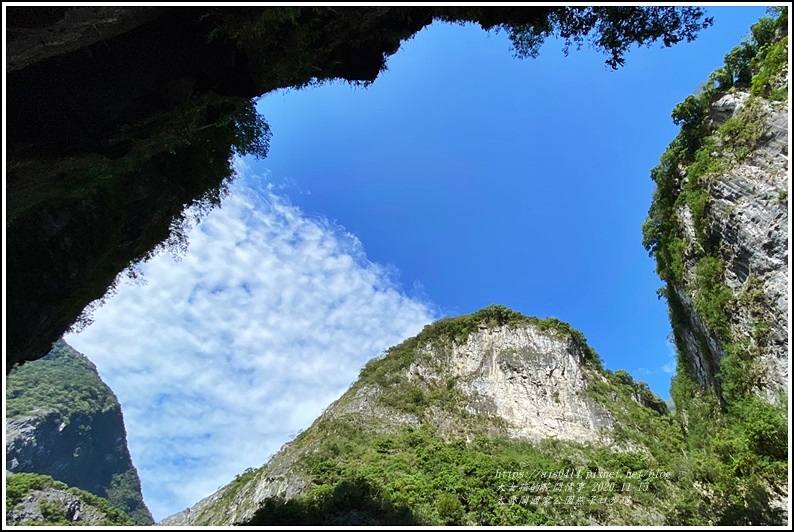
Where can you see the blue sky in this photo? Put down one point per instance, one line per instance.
(462, 177)
(486, 179)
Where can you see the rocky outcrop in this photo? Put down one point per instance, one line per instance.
(52, 506)
(533, 381)
(748, 215)
(718, 224)
(747, 224)
(238, 500)
(718, 228)
(64, 422)
(493, 374)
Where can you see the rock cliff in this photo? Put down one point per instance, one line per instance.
(718, 228)
(493, 376)
(64, 422)
(746, 223)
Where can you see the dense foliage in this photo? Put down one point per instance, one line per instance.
(64, 392)
(378, 471)
(64, 381)
(20, 485)
(734, 440)
(609, 29)
(416, 477)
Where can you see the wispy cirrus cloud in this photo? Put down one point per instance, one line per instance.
(669, 367)
(219, 358)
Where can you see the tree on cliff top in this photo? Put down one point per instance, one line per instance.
(610, 29)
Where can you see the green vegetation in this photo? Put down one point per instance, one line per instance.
(643, 416)
(64, 388)
(734, 441)
(771, 59)
(125, 494)
(64, 381)
(415, 477)
(609, 29)
(20, 485)
(713, 298)
(374, 472)
(53, 513)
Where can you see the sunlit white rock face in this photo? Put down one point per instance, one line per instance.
(514, 380)
(747, 216)
(532, 380)
(750, 213)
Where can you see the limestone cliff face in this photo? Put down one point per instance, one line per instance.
(718, 228)
(64, 422)
(747, 225)
(526, 380)
(533, 381)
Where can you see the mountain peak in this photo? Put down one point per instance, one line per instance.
(493, 379)
(524, 375)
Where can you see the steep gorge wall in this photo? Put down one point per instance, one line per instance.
(64, 422)
(747, 223)
(719, 226)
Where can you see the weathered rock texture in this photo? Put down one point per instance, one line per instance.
(520, 380)
(747, 221)
(41, 506)
(533, 381)
(64, 422)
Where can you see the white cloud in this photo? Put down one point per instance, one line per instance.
(669, 367)
(219, 358)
